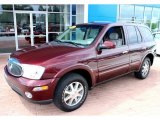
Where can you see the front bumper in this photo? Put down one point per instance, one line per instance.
(22, 85)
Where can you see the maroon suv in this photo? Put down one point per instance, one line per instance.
(81, 57)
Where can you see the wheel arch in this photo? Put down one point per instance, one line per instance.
(83, 70)
(150, 56)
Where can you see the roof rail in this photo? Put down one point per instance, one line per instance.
(101, 22)
(132, 22)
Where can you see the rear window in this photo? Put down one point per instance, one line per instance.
(146, 34)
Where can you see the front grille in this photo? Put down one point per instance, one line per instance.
(14, 67)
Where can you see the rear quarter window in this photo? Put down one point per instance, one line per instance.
(146, 34)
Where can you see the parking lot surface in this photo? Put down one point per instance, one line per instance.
(124, 96)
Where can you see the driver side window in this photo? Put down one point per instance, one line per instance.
(115, 35)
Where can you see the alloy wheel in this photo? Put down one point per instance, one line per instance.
(73, 93)
(145, 68)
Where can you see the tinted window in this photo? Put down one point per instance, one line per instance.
(146, 34)
(132, 36)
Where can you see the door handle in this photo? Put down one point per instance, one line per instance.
(125, 52)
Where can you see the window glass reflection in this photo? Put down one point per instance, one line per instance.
(79, 9)
(79, 18)
(139, 12)
(126, 11)
(23, 23)
(6, 22)
(52, 36)
(39, 23)
(58, 8)
(57, 22)
(39, 28)
(148, 13)
(6, 7)
(23, 42)
(155, 13)
(73, 9)
(7, 43)
(155, 25)
(30, 7)
(73, 20)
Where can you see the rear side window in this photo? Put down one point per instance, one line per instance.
(146, 34)
(132, 35)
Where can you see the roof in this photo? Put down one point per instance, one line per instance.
(104, 23)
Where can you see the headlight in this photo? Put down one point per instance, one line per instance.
(32, 71)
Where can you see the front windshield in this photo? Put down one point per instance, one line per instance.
(80, 35)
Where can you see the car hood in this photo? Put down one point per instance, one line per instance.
(42, 53)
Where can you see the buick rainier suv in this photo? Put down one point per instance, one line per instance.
(83, 56)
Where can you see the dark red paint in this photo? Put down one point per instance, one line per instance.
(60, 60)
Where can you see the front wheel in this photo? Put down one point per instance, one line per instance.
(71, 92)
(144, 70)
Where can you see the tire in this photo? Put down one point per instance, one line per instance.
(144, 70)
(65, 98)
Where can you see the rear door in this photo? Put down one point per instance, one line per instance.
(149, 43)
(135, 46)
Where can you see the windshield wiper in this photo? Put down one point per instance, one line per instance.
(56, 40)
(73, 43)
(69, 42)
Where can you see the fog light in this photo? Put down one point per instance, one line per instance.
(41, 88)
(28, 94)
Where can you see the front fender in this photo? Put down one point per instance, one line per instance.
(79, 66)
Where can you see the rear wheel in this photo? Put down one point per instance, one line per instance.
(71, 92)
(144, 70)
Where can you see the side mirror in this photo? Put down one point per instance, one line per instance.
(107, 45)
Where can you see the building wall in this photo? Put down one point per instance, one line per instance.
(150, 5)
(100, 12)
(148, 14)
(28, 25)
(144, 14)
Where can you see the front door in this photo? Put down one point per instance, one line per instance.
(113, 62)
(30, 29)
